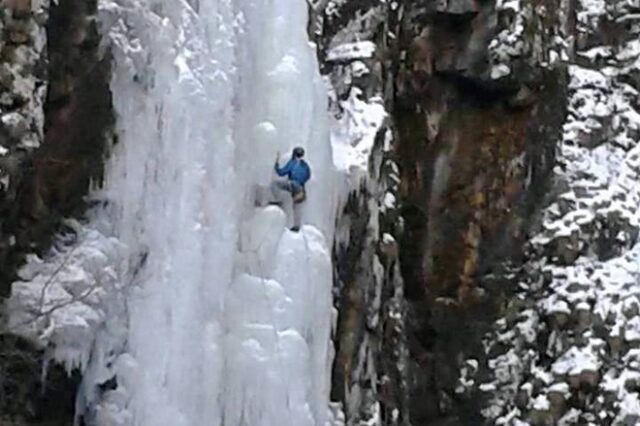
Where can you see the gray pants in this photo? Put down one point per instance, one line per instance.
(282, 191)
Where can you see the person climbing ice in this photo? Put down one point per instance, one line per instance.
(293, 177)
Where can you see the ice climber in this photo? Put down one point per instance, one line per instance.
(293, 177)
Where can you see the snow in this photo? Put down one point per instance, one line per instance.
(353, 134)
(61, 301)
(590, 12)
(575, 361)
(629, 410)
(509, 43)
(541, 403)
(349, 51)
(388, 238)
(205, 308)
(336, 415)
(513, 5)
(359, 68)
(499, 71)
(561, 388)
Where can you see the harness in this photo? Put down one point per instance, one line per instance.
(299, 196)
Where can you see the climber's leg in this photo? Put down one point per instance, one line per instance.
(261, 195)
(297, 218)
(280, 189)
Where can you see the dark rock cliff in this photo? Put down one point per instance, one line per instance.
(476, 92)
(55, 116)
(49, 166)
(370, 379)
(475, 152)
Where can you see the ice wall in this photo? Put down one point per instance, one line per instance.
(222, 315)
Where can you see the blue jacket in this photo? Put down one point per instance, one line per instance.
(296, 170)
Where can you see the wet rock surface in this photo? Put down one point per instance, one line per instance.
(476, 94)
(479, 104)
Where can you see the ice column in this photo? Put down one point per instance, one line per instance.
(228, 312)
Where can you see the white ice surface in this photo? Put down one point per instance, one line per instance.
(216, 312)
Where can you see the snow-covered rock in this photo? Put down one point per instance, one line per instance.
(582, 273)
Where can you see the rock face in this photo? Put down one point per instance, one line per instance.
(55, 116)
(565, 350)
(369, 382)
(479, 103)
(25, 399)
(476, 94)
(23, 76)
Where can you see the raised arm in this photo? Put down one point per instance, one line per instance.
(283, 171)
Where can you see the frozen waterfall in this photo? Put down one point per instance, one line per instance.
(214, 313)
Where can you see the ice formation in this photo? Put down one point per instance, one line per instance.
(206, 309)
